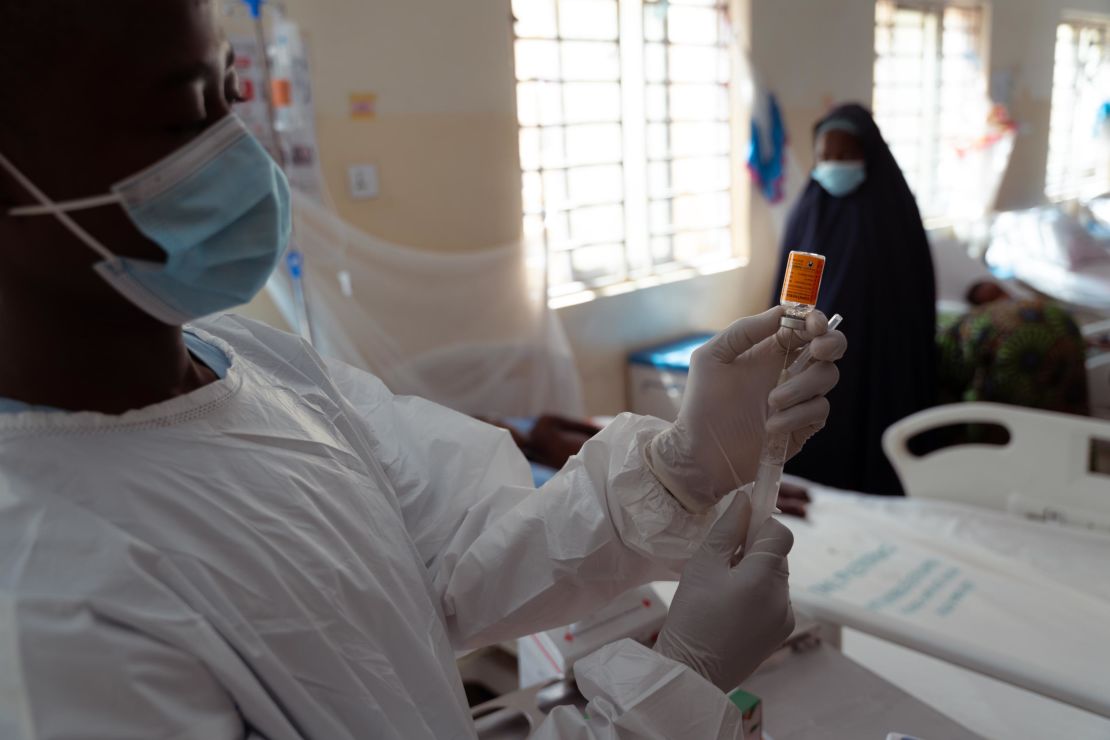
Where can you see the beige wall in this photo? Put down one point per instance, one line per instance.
(445, 136)
(444, 139)
(813, 54)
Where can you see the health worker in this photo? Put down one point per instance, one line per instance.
(207, 530)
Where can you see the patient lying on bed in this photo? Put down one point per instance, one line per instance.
(1020, 352)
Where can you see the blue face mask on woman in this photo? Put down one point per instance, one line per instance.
(220, 209)
(840, 178)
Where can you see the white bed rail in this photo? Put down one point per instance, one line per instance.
(1098, 371)
(1098, 384)
(1044, 471)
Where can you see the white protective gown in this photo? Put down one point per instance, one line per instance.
(293, 552)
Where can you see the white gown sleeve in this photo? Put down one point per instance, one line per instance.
(508, 560)
(637, 694)
(71, 674)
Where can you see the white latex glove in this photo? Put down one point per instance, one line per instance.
(727, 619)
(713, 447)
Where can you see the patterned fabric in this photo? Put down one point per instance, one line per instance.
(1024, 353)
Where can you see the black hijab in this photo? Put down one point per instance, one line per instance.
(879, 275)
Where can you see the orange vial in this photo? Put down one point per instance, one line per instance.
(800, 287)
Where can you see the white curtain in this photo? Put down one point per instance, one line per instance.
(470, 331)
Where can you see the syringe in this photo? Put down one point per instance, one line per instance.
(765, 493)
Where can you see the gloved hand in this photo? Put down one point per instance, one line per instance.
(727, 618)
(713, 448)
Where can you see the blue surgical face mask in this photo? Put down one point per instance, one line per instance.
(840, 178)
(220, 209)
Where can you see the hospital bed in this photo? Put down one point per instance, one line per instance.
(995, 563)
(1098, 368)
(1054, 254)
(992, 574)
(957, 271)
(1044, 471)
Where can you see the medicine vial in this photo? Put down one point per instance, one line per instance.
(801, 287)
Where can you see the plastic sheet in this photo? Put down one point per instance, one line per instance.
(470, 331)
(1034, 595)
(1052, 253)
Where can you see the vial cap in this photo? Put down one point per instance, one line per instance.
(789, 322)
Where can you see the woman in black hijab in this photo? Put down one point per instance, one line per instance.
(858, 211)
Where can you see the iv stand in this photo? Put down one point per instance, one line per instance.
(294, 259)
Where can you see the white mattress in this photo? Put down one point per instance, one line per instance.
(1035, 594)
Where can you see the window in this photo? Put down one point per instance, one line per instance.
(1077, 160)
(930, 91)
(624, 136)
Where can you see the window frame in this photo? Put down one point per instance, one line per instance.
(640, 237)
(1071, 188)
(923, 178)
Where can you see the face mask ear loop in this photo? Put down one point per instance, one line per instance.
(69, 206)
(68, 222)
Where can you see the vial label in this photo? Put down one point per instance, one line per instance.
(803, 278)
